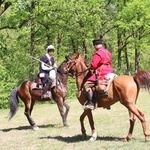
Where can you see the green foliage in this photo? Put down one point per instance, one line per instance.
(2, 94)
(72, 88)
(5, 85)
(27, 27)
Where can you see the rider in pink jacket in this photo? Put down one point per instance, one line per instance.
(101, 64)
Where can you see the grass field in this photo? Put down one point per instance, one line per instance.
(111, 125)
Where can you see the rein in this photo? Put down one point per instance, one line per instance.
(76, 68)
(61, 72)
(79, 73)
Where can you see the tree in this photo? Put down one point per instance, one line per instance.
(134, 22)
(4, 6)
(28, 27)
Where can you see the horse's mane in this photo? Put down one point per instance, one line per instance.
(60, 68)
(81, 58)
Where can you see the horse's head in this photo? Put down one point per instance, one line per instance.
(62, 68)
(75, 64)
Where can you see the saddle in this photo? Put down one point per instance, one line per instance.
(38, 84)
(103, 85)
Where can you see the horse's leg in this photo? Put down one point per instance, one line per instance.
(91, 121)
(28, 109)
(35, 127)
(67, 109)
(90, 118)
(60, 104)
(132, 122)
(141, 117)
(84, 136)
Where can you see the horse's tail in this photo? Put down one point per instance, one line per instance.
(13, 101)
(142, 78)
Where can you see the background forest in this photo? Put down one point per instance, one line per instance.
(27, 27)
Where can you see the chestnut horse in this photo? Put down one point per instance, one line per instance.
(26, 92)
(123, 88)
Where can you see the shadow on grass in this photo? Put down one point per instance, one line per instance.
(29, 127)
(78, 138)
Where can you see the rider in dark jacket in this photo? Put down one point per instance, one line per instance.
(47, 66)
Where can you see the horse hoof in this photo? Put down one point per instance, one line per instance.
(35, 128)
(147, 137)
(84, 136)
(127, 139)
(66, 125)
(94, 137)
(147, 140)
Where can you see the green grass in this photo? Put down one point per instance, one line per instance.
(111, 125)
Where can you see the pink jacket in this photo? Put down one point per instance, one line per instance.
(101, 64)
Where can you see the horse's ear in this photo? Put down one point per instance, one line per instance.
(67, 58)
(77, 55)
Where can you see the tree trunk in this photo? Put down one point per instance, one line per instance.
(119, 48)
(137, 60)
(32, 38)
(128, 71)
(84, 49)
(5, 7)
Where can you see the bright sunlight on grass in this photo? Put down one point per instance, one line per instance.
(112, 126)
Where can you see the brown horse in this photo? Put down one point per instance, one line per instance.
(122, 88)
(26, 92)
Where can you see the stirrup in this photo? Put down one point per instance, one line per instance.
(105, 93)
(88, 106)
(45, 95)
(38, 87)
(107, 107)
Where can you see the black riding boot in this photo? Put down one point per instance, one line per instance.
(46, 88)
(90, 104)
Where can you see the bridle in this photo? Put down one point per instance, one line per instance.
(79, 73)
(73, 64)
